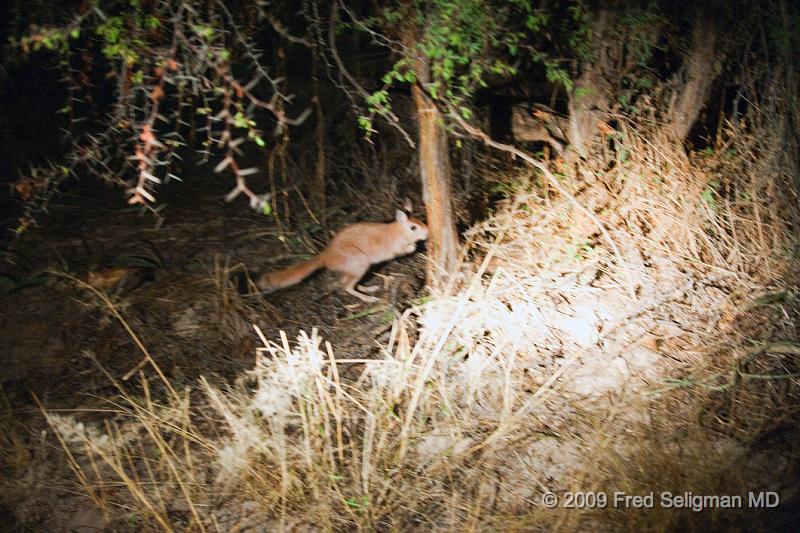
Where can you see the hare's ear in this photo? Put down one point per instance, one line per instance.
(400, 216)
(407, 207)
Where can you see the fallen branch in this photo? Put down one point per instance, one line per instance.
(483, 136)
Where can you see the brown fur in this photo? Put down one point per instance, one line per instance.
(352, 251)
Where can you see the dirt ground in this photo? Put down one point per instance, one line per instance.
(59, 336)
(173, 294)
(92, 289)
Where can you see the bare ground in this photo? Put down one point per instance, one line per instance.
(688, 384)
(168, 285)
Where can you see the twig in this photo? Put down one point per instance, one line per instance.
(384, 111)
(481, 135)
(104, 298)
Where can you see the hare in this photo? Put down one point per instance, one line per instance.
(351, 252)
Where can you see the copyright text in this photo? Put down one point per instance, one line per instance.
(664, 500)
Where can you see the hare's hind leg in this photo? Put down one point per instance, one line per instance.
(368, 288)
(352, 265)
(349, 281)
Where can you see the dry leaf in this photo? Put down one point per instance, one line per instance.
(157, 93)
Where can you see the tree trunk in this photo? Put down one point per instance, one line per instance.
(434, 163)
(693, 83)
(318, 182)
(590, 99)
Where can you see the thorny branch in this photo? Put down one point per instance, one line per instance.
(132, 143)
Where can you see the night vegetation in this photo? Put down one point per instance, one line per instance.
(607, 302)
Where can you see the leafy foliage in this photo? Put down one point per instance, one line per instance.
(464, 43)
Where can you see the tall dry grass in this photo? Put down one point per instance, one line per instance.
(554, 363)
(536, 373)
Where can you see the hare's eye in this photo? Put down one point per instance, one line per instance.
(413, 227)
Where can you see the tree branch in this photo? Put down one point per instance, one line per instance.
(484, 137)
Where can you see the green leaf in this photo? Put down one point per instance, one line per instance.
(378, 98)
(708, 196)
(203, 31)
(367, 312)
(771, 298)
(366, 124)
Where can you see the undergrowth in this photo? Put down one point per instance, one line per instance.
(551, 365)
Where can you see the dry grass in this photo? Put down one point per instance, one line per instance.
(536, 373)
(554, 363)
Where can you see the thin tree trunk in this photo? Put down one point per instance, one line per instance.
(318, 183)
(693, 83)
(434, 163)
(590, 99)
